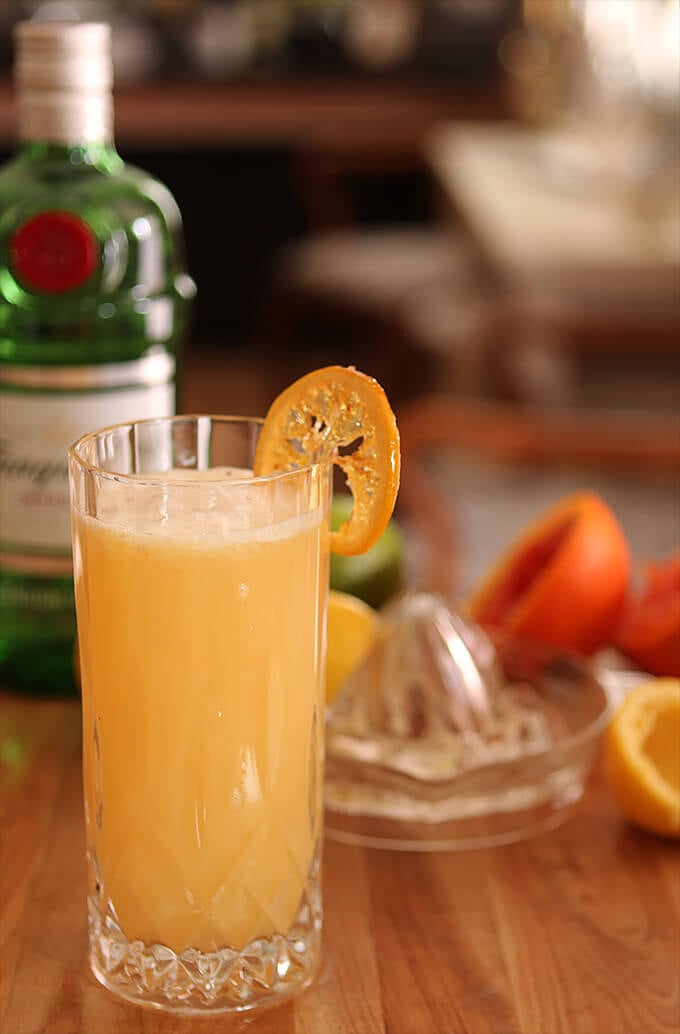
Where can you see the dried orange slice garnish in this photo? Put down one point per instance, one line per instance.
(338, 415)
(642, 756)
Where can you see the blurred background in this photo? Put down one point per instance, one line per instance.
(471, 196)
(476, 201)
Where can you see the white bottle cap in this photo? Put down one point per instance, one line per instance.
(64, 74)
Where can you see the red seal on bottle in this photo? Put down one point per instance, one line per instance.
(54, 252)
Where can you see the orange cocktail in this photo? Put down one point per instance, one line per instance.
(201, 599)
(201, 595)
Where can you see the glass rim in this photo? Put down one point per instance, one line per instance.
(158, 479)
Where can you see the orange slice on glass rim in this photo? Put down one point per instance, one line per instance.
(338, 414)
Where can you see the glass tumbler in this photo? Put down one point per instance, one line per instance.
(201, 602)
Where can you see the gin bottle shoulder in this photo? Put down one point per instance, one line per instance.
(134, 291)
(53, 174)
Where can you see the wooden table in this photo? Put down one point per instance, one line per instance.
(574, 932)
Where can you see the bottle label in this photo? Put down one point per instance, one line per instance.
(37, 426)
(54, 252)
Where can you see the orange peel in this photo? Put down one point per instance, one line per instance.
(642, 756)
(338, 414)
(649, 631)
(564, 579)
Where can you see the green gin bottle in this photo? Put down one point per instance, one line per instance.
(93, 307)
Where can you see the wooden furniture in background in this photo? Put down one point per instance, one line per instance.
(576, 269)
(345, 295)
(290, 113)
(530, 446)
(540, 221)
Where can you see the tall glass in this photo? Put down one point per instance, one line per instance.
(201, 601)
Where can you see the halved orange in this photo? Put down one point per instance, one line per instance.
(649, 631)
(642, 756)
(340, 415)
(563, 581)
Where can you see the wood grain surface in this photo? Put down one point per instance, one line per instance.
(574, 932)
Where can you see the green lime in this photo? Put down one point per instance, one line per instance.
(374, 576)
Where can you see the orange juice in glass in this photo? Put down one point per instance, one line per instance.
(201, 599)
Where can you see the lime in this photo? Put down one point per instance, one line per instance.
(374, 576)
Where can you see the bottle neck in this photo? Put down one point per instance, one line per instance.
(101, 156)
(70, 119)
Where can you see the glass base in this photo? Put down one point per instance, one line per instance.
(196, 983)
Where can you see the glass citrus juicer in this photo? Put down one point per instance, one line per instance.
(443, 737)
(448, 738)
